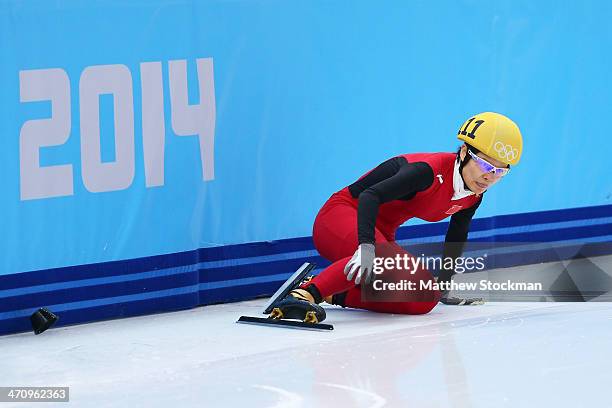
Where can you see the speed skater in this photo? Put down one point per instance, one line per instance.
(355, 221)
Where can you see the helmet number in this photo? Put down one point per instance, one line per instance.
(471, 134)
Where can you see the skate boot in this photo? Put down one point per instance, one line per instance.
(300, 304)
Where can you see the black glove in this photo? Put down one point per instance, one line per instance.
(446, 276)
(455, 301)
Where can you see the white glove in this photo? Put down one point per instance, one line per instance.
(361, 263)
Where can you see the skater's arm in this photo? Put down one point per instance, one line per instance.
(392, 180)
(456, 236)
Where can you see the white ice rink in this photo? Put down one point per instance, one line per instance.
(496, 355)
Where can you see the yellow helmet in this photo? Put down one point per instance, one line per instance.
(493, 134)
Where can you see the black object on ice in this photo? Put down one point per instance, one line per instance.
(455, 301)
(42, 319)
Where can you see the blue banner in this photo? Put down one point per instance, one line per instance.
(138, 128)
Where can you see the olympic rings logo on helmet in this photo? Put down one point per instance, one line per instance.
(505, 151)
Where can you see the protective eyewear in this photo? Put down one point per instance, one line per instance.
(487, 167)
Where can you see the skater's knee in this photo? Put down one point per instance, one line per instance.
(423, 307)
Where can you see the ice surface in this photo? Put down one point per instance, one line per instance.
(496, 355)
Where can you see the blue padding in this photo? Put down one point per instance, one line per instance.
(561, 234)
(105, 312)
(238, 272)
(78, 294)
(256, 249)
(256, 269)
(100, 270)
(541, 217)
(142, 307)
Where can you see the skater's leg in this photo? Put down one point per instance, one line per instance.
(331, 228)
(335, 237)
(332, 279)
(353, 298)
(418, 301)
(335, 232)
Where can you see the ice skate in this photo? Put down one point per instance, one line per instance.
(292, 306)
(298, 305)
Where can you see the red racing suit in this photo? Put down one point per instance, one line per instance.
(336, 231)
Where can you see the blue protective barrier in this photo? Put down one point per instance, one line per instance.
(140, 137)
(238, 272)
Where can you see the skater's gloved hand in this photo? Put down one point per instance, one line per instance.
(457, 301)
(445, 298)
(361, 264)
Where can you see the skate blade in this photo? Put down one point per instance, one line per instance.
(289, 285)
(290, 324)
